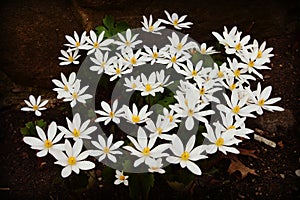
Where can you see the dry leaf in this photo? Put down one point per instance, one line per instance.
(236, 165)
(248, 152)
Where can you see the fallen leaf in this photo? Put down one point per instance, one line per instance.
(248, 152)
(236, 165)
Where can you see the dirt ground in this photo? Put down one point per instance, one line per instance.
(31, 37)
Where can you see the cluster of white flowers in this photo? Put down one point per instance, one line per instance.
(194, 96)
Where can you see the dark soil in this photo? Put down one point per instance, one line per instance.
(31, 37)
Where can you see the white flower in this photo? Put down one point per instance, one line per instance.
(73, 160)
(236, 106)
(45, 143)
(102, 62)
(69, 57)
(189, 71)
(77, 130)
(109, 113)
(77, 94)
(206, 51)
(63, 87)
(173, 59)
(220, 71)
(152, 28)
(98, 44)
(189, 108)
(132, 59)
(170, 116)
(261, 99)
(128, 42)
(106, 148)
(162, 80)
(206, 90)
(35, 105)
(180, 46)
(237, 72)
(136, 116)
(186, 155)
(77, 43)
(117, 70)
(220, 141)
(144, 149)
(121, 178)
(132, 84)
(155, 165)
(152, 54)
(161, 126)
(262, 52)
(176, 21)
(149, 86)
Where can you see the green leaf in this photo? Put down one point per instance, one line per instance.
(30, 130)
(100, 29)
(121, 26)
(140, 185)
(109, 22)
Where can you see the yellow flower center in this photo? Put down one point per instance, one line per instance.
(133, 86)
(127, 43)
(238, 47)
(75, 95)
(103, 64)
(173, 59)
(122, 177)
(190, 112)
(230, 127)
(259, 54)
(232, 87)
(159, 130)
(175, 22)
(219, 142)
(111, 114)
(77, 44)
(133, 60)
(251, 63)
(237, 73)
(236, 109)
(146, 151)
(202, 91)
(70, 59)
(76, 132)
(48, 144)
(203, 51)
(194, 73)
(135, 118)
(72, 160)
(106, 150)
(155, 55)
(154, 168)
(148, 87)
(220, 74)
(151, 28)
(171, 118)
(185, 156)
(96, 45)
(261, 102)
(118, 70)
(66, 88)
(179, 46)
(35, 107)
(186, 102)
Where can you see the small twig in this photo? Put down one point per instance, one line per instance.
(264, 140)
(4, 189)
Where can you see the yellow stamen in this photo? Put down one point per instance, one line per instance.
(72, 160)
(122, 177)
(203, 51)
(202, 91)
(77, 44)
(133, 86)
(155, 55)
(35, 107)
(171, 118)
(219, 142)
(70, 59)
(75, 95)
(48, 144)
(251, 63)
(236, 109)
(173, 59)
(146, 151)
(179, 46)
(151, 28)
(148, 87)
(103, 64)
(127, 43)
(159, 130)
(232, 87)
(238, 47)
(76, 132)
(96, 45)
(220, 74)
(194, 73)
(190, 112)
(66, 88)
(261, 102)
(237, 73)
(185, 156)
(135, 118)
(230, 127)
(111, 114)
(118, 70)
(106, 150)
(259, 54)
(175, 22)
(133, 60)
